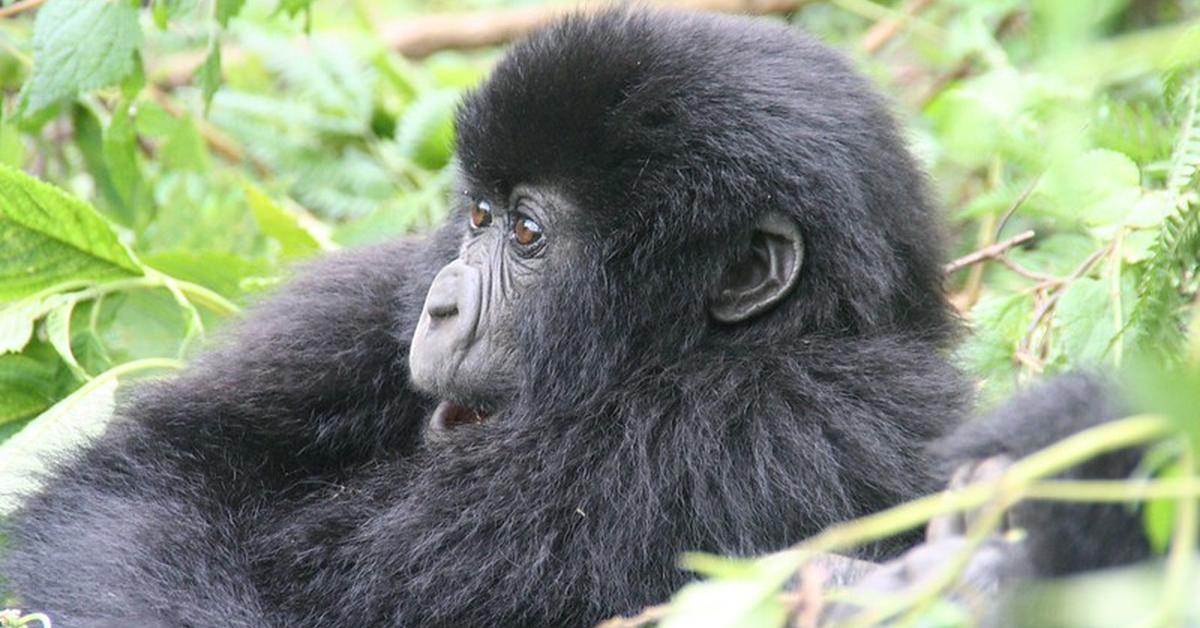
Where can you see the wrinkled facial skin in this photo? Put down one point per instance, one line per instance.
(464, 348)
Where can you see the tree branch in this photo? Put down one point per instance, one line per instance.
(988, 252)
(421, 36)
(20, 7)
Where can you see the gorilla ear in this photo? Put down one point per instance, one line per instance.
(754, 284)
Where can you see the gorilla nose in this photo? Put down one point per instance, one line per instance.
(446, 292)
(442, 308)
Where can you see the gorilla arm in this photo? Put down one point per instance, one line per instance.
(148, 523)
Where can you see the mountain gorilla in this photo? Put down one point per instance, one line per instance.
(688, 298)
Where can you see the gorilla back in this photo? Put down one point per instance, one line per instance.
(688, 298)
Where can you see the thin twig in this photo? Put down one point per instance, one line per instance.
(1016, 204)
(988, 252)
(1028, 273)
(20, 7)
(884, 30)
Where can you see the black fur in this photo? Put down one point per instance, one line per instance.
(282, 479)
(1062, 538)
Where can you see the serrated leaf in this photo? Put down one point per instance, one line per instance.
(426, 133)
(80, 45)
(208, 75)
(298, 235)
(50, 237)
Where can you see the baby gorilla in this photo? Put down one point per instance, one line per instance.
(689, 298)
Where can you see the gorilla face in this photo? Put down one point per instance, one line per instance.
(464, 349)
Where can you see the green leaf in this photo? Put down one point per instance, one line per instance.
(293, 7)
(120, 152)
(1085, 318)
(16, 323)
(113, 197)
(228, 9)
(27, 387)
(1158, 515)
(426, 134)
(170, 9)
(1100, 187)
(225, 273)
(50, 237)
(12, 147)
(299, 235)
(208, 75)
(58, 331)
(80, 45)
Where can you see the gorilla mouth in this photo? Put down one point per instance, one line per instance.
(449, 415)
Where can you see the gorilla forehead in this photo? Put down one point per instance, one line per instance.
(652, 100)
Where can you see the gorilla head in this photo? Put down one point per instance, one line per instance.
(638, 186)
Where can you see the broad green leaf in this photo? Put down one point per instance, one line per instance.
(27, 387)
(80, 45)
(50, 237)
(1100, 187)
(1085, 318)
(299, 235)
(426, 134)
(208, 75)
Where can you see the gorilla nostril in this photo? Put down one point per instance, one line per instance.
(445, 309)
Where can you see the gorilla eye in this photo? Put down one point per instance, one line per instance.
(481, 214)
(526, 231)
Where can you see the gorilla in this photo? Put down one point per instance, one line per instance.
(689, 297)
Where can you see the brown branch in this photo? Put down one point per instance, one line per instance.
(20, 7)
(421, 36)
(988, 252)
(220, 143)
(884, 30)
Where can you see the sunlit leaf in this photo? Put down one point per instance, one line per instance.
(79, 45)
(51, 237)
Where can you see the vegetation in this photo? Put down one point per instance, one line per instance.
(160, 165)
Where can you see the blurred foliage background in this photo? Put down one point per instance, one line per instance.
(164, 162)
